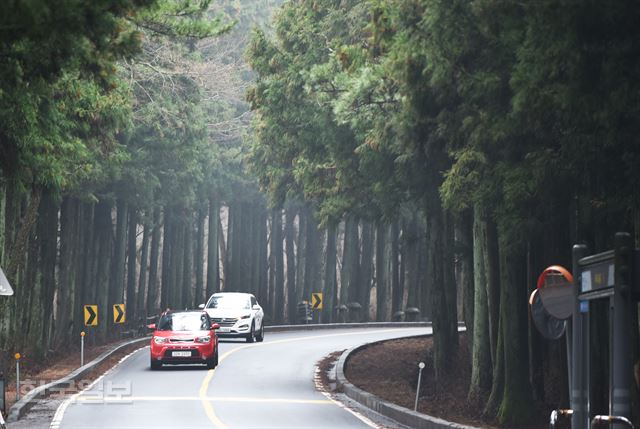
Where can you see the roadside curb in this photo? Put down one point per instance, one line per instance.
(20, 408)
(400, 414)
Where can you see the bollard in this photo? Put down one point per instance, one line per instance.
(355, 312)
(82, 334)
(412, 314)
(2, 394)
(421, 366)
(398, 316)
(82, 348)
(17, 356)
(341, 313)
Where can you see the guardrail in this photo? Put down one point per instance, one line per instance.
(316, 326)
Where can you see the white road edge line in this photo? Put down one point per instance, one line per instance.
(320, 388)
(62, 408)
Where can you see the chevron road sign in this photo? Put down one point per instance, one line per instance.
(118, 313)
(316, 301)
(91, 315)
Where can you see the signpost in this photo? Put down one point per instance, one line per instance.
(613, 276)
(118, 313)
(91, 315)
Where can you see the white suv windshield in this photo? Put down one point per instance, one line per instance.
(230, 301)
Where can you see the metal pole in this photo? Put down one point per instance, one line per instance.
(621, 365)
(421, 366)
(82, 348)
(579, 392)
(17, 356)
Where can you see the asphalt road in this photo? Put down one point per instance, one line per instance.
(262, 385)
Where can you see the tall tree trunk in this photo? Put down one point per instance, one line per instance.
(329, 293)
(132, 256)
(366, 270)
(516, 399)
(143, 290)
(69, 218)
(441, 283)
(198, 256)
(213, 275)
(465, 273)
(187, 265)
(410, 253)
(481, 353)
(350, 262)
(48, 237)
(301, 260)
(89, 260)
(492, 267)
(177, 261)
(313, 252)
(381, 272)
(116, 293)
(153, 288)
(166, 274)
(263, 258)
(289, 234)
(394, 251)
(276, 236)
(104, 256)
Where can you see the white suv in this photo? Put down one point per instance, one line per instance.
(238, 314)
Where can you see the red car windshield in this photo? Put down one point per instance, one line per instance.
(184, 322)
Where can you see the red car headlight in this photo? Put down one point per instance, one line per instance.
(159, 340)
(203, 340)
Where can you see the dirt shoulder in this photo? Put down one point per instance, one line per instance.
(389, 370)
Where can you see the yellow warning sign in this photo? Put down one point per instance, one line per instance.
(118, 313)
(91, 315)
(316, 301)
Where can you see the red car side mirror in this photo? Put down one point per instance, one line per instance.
(152, 326)
(215, 326)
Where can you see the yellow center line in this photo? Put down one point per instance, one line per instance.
(204, 388)
(129, 399)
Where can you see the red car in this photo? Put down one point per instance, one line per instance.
(185, 337)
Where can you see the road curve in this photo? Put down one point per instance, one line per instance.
(263, 385)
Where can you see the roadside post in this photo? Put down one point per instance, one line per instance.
(17, 356)
(421, 367)
(82, 348)
(2, 394)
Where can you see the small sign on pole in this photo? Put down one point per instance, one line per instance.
(316, 301)
(91, 315)
(118, 313)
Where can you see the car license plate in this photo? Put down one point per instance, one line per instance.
(181, 354)
(224, 329)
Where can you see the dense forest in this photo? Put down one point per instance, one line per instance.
(407, 158)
